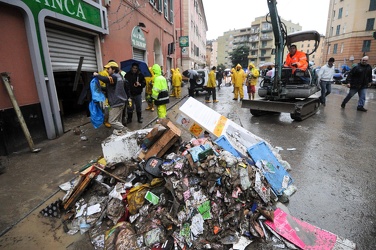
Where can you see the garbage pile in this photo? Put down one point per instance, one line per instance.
(194, 195)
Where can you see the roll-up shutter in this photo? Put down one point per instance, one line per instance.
(138, 54)
(67, 48)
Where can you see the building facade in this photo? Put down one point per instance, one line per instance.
(349, 32)
(191, 28)
(52, 48)
(259, 38)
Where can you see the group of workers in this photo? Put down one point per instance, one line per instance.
(123, 92)
(123, 89)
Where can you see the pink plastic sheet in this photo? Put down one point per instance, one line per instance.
(300, 233)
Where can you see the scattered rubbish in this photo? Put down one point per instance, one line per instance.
(84, 138)
(165, 193)
(279, 148)
(291, 149)
(52, 210)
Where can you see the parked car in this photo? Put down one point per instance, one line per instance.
(202, 81)
(373, 77)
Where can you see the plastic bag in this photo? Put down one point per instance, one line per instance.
(96, 114)
(96, 92)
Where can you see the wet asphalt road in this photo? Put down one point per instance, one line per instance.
(332, 166)
(332, 160)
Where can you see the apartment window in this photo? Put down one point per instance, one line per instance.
(157, 4)
(160, 5)
(264, 43)
(338, 30)
(165, 9)
(334, 13)
(302, 45)
(341, 48)
(307, 51)
(335, 48)
(370, 23)
(366, 46)
(171, 11)
(331, 31)
(372, 5)
(340, 13)
(308, 45)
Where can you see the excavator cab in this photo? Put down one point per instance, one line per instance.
(287, 92)
(300, 84)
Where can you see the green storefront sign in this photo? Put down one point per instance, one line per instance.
(138, 38)
(76, 9)
(184, 41)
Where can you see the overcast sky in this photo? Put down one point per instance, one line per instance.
(225, 15)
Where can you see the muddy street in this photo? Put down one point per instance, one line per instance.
(331, 155)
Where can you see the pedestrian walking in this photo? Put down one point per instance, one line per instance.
(160, 92)
(239, 78)
(360, 78)
(135, 83)
(325, 79)
(219, 77)
(252, 76)
(116, 96)
(211, 86)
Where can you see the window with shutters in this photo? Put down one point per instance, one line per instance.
(366, 46)
(340, 13)
(370, 23)
(335, 47)
(372, 5)
(338, 30)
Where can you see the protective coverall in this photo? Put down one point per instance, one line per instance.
(148, 90)
(106, 105)
(251, 82)
(176, 82)
(239, 77)
(299, 59)
(160, 85)
(211, 87)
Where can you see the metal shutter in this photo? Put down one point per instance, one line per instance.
(67, 48)
(138, 54)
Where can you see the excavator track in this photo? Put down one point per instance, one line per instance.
(299, 109)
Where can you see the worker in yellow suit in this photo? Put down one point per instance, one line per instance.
(160, 91)
(252, 76)
(148, 90)
(176, 82)
(105, 104)
(239, 78)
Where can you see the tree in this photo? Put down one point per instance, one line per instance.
(240, 56)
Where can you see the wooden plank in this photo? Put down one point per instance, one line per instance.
(78, 191)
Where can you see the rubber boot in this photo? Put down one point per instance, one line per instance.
(139, 117)
(129, 119)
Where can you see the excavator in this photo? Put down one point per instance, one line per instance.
(287, 92)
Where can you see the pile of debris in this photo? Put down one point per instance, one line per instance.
(174, 194)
